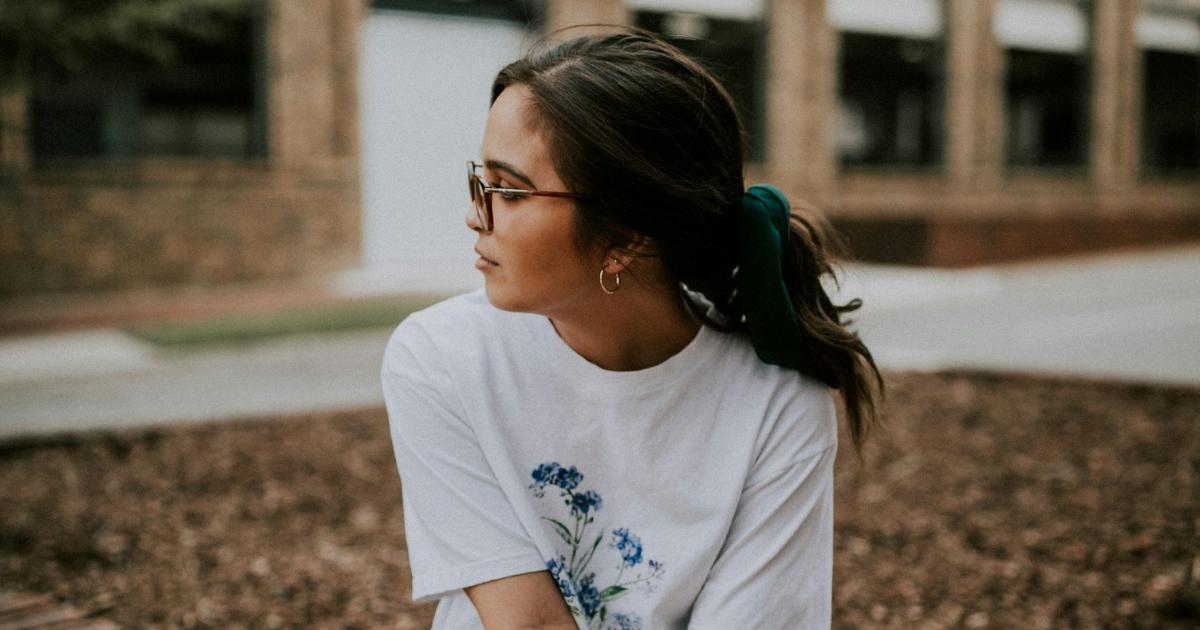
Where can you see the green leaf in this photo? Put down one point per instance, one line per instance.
(586, 558)
(613, 592)
(562, 530)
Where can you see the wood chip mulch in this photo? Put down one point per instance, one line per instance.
(26, 611)
(987, 501)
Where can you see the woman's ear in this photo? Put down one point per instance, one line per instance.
(621, 255)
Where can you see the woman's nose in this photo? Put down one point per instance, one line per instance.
(473, 219)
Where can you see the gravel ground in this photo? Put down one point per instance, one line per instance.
(987, 502)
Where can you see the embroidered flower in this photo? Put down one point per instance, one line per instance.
(544, 473)
(656, 574)
(568, 478)
(629, 545)
(571, 574)
(558, 570)
(552, 474)
(589, 595)
(582, 502)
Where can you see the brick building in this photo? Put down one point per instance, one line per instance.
(240, 164)
(943, 132)
(955, 132)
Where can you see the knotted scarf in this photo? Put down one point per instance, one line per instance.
(775, 332)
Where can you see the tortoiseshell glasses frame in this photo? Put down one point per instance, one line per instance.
(481, 195)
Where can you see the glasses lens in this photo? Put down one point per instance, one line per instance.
(473, 182)
(479, 201)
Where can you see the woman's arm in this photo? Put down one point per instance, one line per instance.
(530, 601)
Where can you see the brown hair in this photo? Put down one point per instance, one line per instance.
(656, 144)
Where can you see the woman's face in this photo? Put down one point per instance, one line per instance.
(530, 260)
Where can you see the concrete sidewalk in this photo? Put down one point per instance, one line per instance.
(1126, 317)
(1132, 317)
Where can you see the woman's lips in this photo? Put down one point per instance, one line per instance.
(484, 262)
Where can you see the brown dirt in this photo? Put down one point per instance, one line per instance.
(988, 502)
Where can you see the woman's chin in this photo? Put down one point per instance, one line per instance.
(502, 296)
(498, 297)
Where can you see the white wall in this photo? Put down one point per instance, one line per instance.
(1049, 25)
(906, 18)
(424, 82)
(733, 9)
(1167, 31)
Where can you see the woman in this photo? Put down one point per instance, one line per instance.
(632, 425)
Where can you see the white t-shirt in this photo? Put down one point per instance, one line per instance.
(697, 493)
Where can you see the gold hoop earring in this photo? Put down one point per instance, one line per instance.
(616, 286)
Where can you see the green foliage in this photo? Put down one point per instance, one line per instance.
(250, 327)
(66, 33)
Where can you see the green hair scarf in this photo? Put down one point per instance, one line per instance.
(763, 232)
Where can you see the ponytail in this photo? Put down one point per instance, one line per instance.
(792, 322)
(812, 246)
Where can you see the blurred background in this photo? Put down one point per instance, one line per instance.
(932, 133)
(218, 209)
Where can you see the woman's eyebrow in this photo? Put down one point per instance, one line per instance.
(497, 165)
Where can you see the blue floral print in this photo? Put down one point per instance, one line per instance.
(558, 569)
(554, 475)
(627, 622)
(582, 502)
(578, 585)
(629, 545)
(589, 596)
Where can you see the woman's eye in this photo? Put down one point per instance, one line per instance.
(508, 196)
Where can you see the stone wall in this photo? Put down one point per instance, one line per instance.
(99, 225)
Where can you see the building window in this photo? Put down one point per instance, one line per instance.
(890, 82)
(1044, 108)
(208, 102)
(522, 11)
(1047, 81)
(1170, 93)
(733, 50)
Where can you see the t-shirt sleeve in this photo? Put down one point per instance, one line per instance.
(459, 526)
(775, 568)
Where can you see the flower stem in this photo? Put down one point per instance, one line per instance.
(571, 570)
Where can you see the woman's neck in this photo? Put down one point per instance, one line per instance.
(638, 327)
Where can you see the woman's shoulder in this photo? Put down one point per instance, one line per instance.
(457, 310)
(737, 356)
(458, 326)
(799, 415)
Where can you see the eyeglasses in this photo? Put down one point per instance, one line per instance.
(481, 195)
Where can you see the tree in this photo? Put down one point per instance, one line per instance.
(65, 33)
